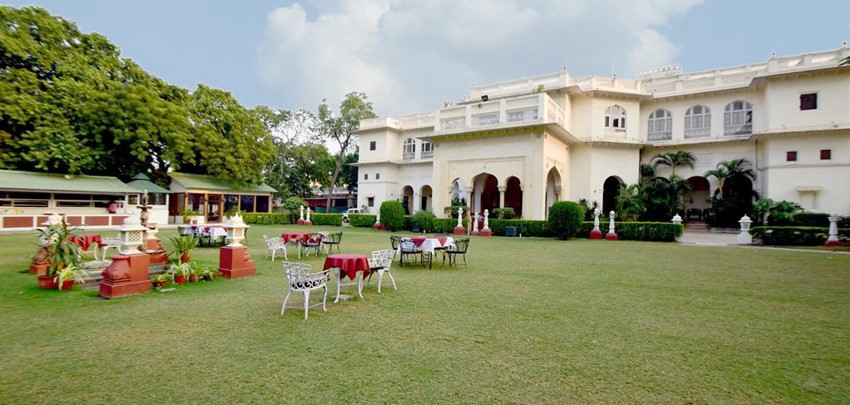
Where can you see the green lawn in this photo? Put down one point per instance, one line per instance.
(529, 320)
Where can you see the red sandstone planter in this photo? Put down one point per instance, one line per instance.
(47, 283)
(67, 285)
(179, 280)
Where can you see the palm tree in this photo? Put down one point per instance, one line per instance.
(728, 171)
(674, 160)
(630, 202)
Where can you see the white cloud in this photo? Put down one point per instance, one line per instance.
(409, 56)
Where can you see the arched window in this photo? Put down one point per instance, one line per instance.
(698, 122)
(738, 118)
(615, 117)
(427, 149)
(660, 125)
(409, 149)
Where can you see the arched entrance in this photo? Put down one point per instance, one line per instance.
(458, 193)
(513, 195)
(553, 188)
(610, 191)
(425, 195)
(485, 193)
(700, 191)
(407, 199)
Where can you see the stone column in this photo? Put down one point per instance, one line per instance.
(611, 234)
(459, 229)
(486, 231)
(596, 233)
(307, 221)
(558, 190)
(833, 231)
(502, 190)
(475, 223)
(300, 216)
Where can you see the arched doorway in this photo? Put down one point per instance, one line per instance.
(485, 193)
(513, 195)
(610, 191)
(458, 193)
(407, 199)
(425, 195)
(700, 191)
(553, 188)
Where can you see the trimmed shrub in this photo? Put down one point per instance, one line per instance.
(565, 219)
(503, 213)
(293, 206)
(796, 235)
(424, 220)
(392, 215)
(266, 218)
(527, 227)
(326, 219)
(362, 220)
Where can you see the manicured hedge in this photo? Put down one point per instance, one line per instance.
(266, 218)
(361, 220)
(796, 235)
(326, 219)
(809, 219)
(642, 231)
(446, 225)
(392, 215)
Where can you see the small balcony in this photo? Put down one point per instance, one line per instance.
(531, 109)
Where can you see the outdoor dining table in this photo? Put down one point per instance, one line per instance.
(213, 235)
(348, 264)
(430, 244)
(298, 238)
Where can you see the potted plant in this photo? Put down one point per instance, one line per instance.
(209, 273)
(194, 273)
(66, 276)
(59, 252)
(179, 271)
(181, 247)
(187, 215)
(161, 280)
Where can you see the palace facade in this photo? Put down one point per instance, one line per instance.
(528, 143)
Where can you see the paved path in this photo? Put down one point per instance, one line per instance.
(706, 238)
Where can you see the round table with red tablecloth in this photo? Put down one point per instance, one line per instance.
(347, 264)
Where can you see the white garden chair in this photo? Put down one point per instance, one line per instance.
(381, 262)
(273, 246)
(110, 243)
(301, 279)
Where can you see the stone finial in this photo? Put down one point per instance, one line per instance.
(676, 219)
(236, 227)
(744, 238)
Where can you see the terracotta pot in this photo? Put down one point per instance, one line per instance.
(160, 284)
(179, 280)
(47, 283)
(67, 285)
(193, 278)
(185, 257)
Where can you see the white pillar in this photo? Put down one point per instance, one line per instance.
(475, 222)
(596, 213)
(459, 217)
(611, 222)
(486, 220)
(301, 214)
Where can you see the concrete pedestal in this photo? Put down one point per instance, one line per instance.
(379, 227)
(596, 234)
(459, 230)
(127, 275)
(485, 232)
(235, 262)
(39, 263)
(611, 236)
(157, 254)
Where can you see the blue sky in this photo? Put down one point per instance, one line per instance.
(410, 56)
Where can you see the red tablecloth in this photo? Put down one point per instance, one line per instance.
(349, 263)
(301, 237)
(419, 240)
(85, 241)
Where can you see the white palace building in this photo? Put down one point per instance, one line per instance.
(528, 143)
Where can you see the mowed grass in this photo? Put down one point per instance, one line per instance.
(528, 320)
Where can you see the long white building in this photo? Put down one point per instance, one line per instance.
(528, 143)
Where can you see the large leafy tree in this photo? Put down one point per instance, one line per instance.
(69, 103)
(228, 141)
(341, 128)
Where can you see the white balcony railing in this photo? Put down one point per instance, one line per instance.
(534, 108)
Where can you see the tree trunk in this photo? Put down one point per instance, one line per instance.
(335, 176)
